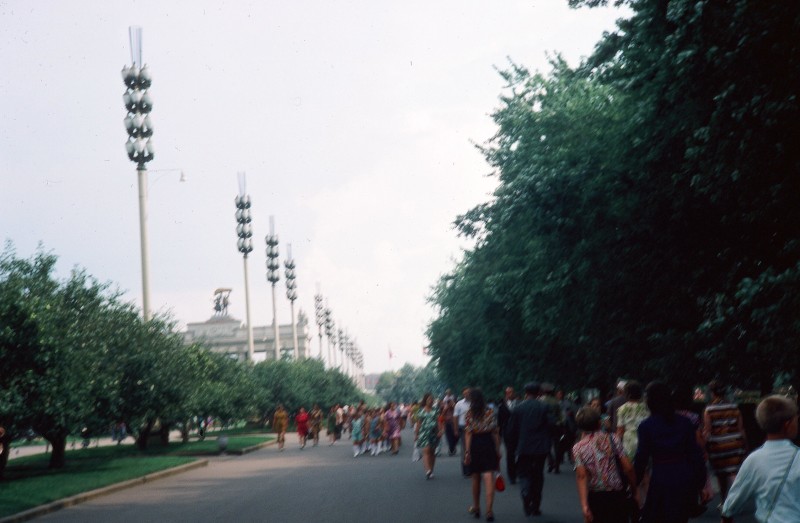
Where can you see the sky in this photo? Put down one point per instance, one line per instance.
(355, 121)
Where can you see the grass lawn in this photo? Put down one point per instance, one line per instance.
(30, 483)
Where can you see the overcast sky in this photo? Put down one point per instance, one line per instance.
(355, 122)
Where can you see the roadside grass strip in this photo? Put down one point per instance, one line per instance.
(30, 483)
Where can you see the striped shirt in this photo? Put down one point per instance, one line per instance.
(725, 442)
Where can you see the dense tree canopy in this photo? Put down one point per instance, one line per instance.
(75, 357)
(646, 220)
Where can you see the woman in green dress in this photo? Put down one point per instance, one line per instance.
(427, 432)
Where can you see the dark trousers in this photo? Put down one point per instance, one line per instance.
(511, 460)
(553, 458)
(530, 469)
(452, 437)
(465, 469)
(608, 506)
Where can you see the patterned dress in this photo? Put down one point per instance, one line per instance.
(428, 428)
(629, 416)
(725, 442)
(393, 424)
(315, 421)
(483, 452)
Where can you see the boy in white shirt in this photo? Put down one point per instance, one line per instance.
(771, 474)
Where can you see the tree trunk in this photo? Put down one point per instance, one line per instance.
(57, 456)
(5, 441)
(185, 431)
(164, 434)
(144, 435)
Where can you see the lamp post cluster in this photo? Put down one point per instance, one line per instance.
(244, 231)
(350, 358)
(139, 146)
(319, 312)
(291, 293)
(273, 276)
(330, 331)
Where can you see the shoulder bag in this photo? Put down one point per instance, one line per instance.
(780, 489)
(631, 506)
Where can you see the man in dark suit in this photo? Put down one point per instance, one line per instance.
(529, 430)
(503, 417)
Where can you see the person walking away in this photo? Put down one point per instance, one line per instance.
(529, 428)
(301, 420)
(601, 489)
(770, 476)
(375, 432)
(332, 425)
(459, 421)
(315, 423)
(629, 416)
(503, 417)
(339, 421)
(684, 403)
(393, 427)
(725, 438)
(450, 428)
(357, 433)
(556, 429)
(678, 471)
(568, 411)
(280, 422)
(483, 451)
(614, 404)
(427, 433)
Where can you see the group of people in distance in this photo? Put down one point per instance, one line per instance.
(309, 425)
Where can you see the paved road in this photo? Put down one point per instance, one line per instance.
(319, 484)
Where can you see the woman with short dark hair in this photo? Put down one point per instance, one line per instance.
(668, 441)
(601, 488)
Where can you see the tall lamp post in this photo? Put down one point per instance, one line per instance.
(329, 332)
(273, 276)
(291, 294)
(341, 349)
(244, 230)
(320, 316)
(139, 145)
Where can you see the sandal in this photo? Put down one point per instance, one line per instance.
(490, 516)
(475, 511)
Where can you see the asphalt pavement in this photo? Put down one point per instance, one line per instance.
(322, 484)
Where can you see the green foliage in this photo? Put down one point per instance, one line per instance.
(300, 384)
(646, 219)
(409, 384)
(74, 357)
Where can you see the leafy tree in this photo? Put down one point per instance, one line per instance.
(645, 221)
(298, 384)
(52, 350)
(408, 384)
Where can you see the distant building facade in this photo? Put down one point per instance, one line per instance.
(226, 335)
(371, 381)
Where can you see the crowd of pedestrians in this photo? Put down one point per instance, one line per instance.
(647, 454)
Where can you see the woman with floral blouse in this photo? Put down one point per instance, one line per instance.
(482, 451)
(600, 487)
